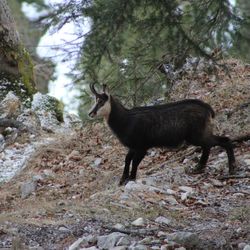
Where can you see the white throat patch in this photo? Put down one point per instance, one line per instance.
(105, 110)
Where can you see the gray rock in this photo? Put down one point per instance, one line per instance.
(145, 241)
(241, 245)
(186, 239)
(37, 178)
(119, 226)
(164, 247)
(138, 222)
(72, 121)
(170, 191)
(97, 161)
(10, 106)
(247, 247)
(89, 248)
(119, 248)
(63, 229)
(47, 110)
(138, 247)
(81, 241)
(109, 241)
(124, 241)
(163, 220)
(216, 183)
(132, 186)
(76, 244)
(28, 188)
(186, 189)
(171, 200)
(247, 162)
(48, 173)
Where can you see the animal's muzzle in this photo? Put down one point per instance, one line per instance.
(92, 114)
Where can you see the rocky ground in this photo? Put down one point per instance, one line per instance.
(67, 196)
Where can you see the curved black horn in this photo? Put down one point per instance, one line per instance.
(92, 88)
(104, 87)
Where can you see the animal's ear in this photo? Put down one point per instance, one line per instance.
(105, 89)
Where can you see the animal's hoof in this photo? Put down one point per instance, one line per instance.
(123, 182)
(195, 170)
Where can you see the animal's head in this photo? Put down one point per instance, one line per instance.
(102, 106)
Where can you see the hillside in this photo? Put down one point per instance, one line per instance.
(68, 196)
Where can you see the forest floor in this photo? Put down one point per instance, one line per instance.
(75, 184)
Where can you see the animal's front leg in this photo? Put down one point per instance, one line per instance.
(138, 156)
(125, 175)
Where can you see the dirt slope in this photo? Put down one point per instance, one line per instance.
(77, 191)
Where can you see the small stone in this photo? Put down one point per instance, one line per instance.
(84, 240)
(132, 186)
(216, 183)
(10, 106)
(124, 241)
(247, 162)
(145, 241)
(164, 247)
(170, 191)
(184, 196)
(186, 239)
(109, 241)
(138, 222)
(49, 173)
(97, 161)
(37, 177)
(63, 229)
(118, 248)
(171, 200)
(119, 226)
(238, 195)
(28, 188)
(186, 189)
(241, 245)
(161, 234)
(247, 247)
(89, 248)
(74, 156)
(163, 220)
(138, 247)
(155, 248)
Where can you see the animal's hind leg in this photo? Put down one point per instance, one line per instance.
(138, 156)
(128, 159)
(226, 143)
(202, 162)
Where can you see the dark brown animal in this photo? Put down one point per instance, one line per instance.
(167, 125)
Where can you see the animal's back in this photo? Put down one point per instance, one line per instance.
(167, 125)
(172, 106)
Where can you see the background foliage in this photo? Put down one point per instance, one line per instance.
(128, 40)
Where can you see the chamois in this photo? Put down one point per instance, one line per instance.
(167, 125)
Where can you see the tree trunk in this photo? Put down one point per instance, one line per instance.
(16, 68)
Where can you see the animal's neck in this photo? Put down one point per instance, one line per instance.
(117, 120)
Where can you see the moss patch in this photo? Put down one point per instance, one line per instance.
(25, 67)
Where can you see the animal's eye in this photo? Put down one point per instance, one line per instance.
(101, 101)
